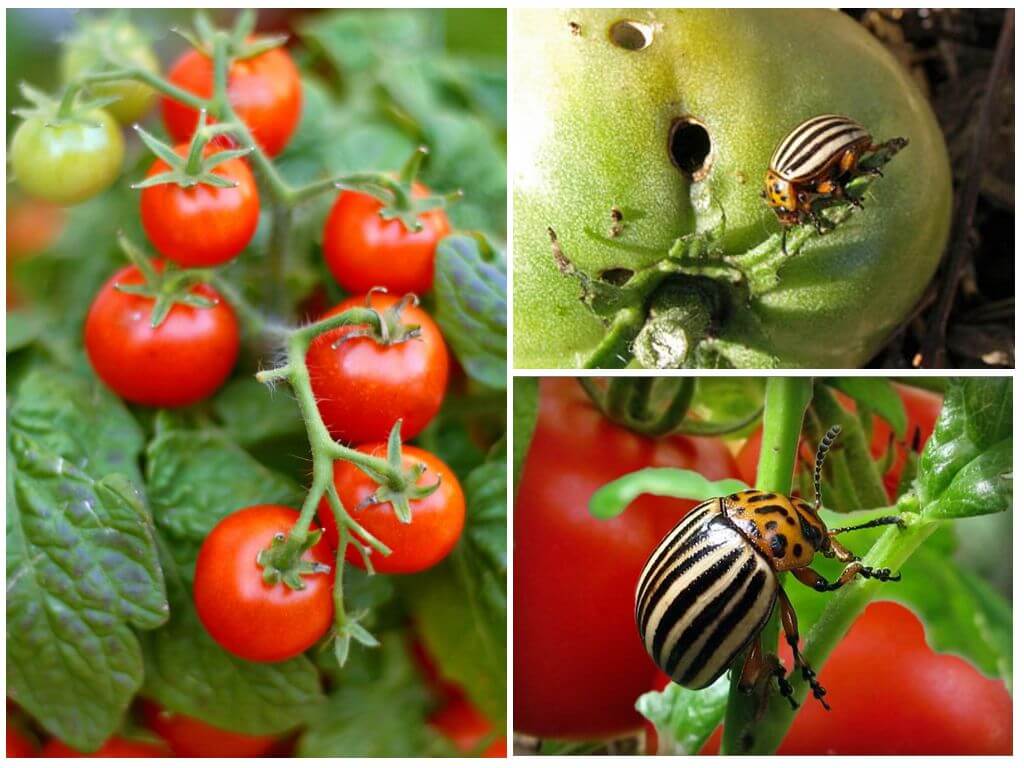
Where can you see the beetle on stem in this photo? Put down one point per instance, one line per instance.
(710, 586)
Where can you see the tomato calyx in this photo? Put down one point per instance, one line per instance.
(197, 166)
(283, 563)
(390, 328)
(166, 287)
(396, 196)
(240, 42)
(69, 109)
(399, 486)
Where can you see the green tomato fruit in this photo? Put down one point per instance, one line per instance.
(84, 52)
(67, 161)
(644, 131)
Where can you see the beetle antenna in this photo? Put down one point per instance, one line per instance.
(819, 460)
(888, 520)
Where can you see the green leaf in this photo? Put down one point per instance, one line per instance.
(196, 477)
(23, 327)
(877, 395)
(966, 467)
(683, 718)
(188, 672)
(253, 413)
(81, 572)
(459, 606)
(358, 41)
(611, 499)
(525, 405)
(78, 419)
(378, 709)
(470, 286)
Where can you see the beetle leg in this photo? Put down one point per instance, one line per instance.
(792, 632)
(819, 583)
(758, 669)
(848, 161)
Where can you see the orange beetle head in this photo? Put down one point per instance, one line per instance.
(781, 197)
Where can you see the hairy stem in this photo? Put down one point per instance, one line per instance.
(786, 400)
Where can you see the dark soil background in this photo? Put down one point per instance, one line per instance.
(963, 60)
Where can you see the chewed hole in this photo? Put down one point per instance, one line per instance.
(617, 275)
(631, 35)
(689, 146)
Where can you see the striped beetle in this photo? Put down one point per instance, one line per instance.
(709, 587)
(815, 160)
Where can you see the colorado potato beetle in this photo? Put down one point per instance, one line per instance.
(709, 587)
(815, 160)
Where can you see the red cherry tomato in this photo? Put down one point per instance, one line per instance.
(189, 737)
(893, 695)
(201, 226)
(18, 744)
(183, 360)
(464, 725)
(264, 90)
(437, 520)
(115, 746)
(364, 251)
(580, 665)
(922, 410)
(442, 688)
(245, 615)
(32, 226)
(362, 388)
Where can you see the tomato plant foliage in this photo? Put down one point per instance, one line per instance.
(109, 503)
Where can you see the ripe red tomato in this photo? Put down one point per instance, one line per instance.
(362, 388)
(115, 746)
(364, 251)
(893, 695)
(183, 360)
(245, 615)
(32, 226)
(580, 664)
(922, 410)
(189, 737)
(264, 90)
(465, 726)
(18, 744)
(201, 226)
(437, 520)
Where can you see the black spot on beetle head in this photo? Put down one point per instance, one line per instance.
(778, 542)
(798, 550)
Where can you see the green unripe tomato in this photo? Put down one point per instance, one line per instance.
(601, 101)
(83, 52)
(67, 161)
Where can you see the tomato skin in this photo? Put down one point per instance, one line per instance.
(69, 162)
(362, 388)
(463, 725)
(32, 227)
(115, 746)
(437, 520)
(264, 90)
(18, 744)
(893, 695)
(364, 251)
(575, 575)
(189, 737)
(922, 410)
(201, 226)
(246, 616)
(147, 365)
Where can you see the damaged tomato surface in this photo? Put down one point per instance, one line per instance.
(640, 234)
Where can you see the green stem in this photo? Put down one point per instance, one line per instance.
(151, 79)
(280, 240)
(67, 100)
(786, 400)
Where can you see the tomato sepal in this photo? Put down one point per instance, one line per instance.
(397, 197)
(198, 166)
(242, 44)
(390, 328)
(398, 494)
(283, 563)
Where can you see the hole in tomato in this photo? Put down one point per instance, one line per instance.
(689, 146)
(631, 35)
(617, 275)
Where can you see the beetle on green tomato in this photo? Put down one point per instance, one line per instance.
(710, 585)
